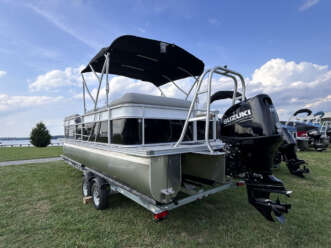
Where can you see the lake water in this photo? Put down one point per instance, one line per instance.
(25, 142)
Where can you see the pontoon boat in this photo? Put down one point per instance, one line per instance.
(164, 152)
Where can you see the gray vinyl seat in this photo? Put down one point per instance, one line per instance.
(136, 98)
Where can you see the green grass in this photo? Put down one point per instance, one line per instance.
(41, 206)
(21, 153)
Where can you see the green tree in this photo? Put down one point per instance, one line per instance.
(40, 136)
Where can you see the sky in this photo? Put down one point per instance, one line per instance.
(282, 48)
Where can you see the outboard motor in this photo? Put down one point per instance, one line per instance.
(328, 133)
(315, 134)
(287, 151)
(251, 132)
(319, 143)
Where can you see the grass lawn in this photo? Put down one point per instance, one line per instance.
(21, 153)
(41, 206)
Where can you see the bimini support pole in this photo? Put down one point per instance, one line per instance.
(100, 81)
(190, 74)
(177, 86)
(169, 79)
(87, 89)
(189, 92)
(107, 80)
(162, 93)
(84, 100)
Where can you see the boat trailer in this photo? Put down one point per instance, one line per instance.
(160, 211)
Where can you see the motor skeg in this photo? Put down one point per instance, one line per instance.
(250, 129)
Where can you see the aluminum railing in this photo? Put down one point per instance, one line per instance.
(221, 71)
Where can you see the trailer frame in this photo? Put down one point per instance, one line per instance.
(147, 202)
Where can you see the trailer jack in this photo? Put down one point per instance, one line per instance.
(259, 188)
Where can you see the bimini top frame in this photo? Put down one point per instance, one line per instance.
(144, 59)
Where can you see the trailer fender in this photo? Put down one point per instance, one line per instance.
(102, 182)
(89, 175)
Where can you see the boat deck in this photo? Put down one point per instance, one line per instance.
(152, 149)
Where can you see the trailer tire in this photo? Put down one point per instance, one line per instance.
(99, 192)
(86, 186)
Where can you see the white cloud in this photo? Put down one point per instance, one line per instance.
(278, 74)
(293, 85)
(318, 102)
(308, 4)
(2, 73)
(56, 79)
(10, 103)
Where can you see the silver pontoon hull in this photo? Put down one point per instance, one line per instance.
(159, 177)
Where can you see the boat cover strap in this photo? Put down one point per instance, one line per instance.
(148, 60)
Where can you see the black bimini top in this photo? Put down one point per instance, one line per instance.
(300, 111)
(148, 60)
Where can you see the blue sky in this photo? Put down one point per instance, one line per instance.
(283, 48)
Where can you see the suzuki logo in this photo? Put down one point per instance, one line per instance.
(238, 116)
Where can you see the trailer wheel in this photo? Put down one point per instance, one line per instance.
(86, 186)
(99, 194)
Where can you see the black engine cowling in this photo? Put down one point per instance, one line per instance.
(253, 126)
(316, 140)
(251, 130)
(328, 132)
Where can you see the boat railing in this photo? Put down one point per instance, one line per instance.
(224, 71)
(28, 145)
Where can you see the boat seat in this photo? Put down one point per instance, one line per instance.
(135, 98)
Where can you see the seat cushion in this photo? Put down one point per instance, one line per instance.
(135, 98)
